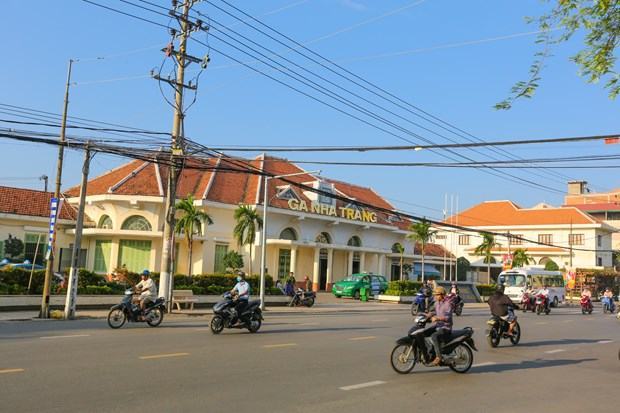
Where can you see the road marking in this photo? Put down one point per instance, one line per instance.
(542, 323)
(382, 320)
(309, 324)
(605, 341)
(160, 356)
(11, 371)
(70, 336)
(362, 385)
(557, 350)
(362, 338)
(202, 329)
(486, 363)
(280, 345)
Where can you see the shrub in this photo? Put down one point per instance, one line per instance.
(95, 290)
(89, 278)
(486, 289)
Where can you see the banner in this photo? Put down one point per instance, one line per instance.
(507, 261)
(55, 208)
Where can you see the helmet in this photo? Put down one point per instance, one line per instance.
(499, 288)
(439, 291)
(146, 273)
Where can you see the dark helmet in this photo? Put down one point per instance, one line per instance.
(499, 289)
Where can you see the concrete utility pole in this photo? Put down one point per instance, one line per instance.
(49, 267)
(183, 60)
(71, 300)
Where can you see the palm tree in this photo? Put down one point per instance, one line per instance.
(190, 224)
(484, 249)
(248, 221)
(421, 232)
(520, 258)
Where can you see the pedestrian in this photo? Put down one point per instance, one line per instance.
(288, 288)
(292, 278)
(308, 283)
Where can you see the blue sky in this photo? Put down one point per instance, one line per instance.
(426, 52)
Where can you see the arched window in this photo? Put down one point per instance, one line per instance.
(323, 238)
(354, 241)
(136, 223)
(397, 247)
(289, 234)
(105, 222)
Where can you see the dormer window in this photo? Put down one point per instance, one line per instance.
(286, 192)
(323, 198)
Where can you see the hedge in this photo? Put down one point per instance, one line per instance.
(486, 289)
(407, 288)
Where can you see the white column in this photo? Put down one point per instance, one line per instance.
(381, 265)
(294, 261)
(362, 261)
(330, 256)
(350, 264)
(315, 269)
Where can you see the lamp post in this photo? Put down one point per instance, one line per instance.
(263, 240)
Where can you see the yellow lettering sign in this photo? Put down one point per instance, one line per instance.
(347, 213)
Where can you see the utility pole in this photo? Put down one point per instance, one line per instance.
(49, 267)
(183, 60)
(71, 300)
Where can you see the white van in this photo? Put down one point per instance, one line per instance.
(518, 280)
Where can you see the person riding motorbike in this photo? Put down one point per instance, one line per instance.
(544, 291)
(426, 291)
(609, 295)
(147, 289)
(502, 306)
(454, 289)
(586, 293)
(241, 292)
(442, 317)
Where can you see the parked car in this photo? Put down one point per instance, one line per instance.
(353, 284)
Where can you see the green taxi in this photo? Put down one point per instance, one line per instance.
(352, 285)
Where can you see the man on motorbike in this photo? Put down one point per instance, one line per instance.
(147, 289)
(442, 317)
(503, 307)
(426, 293)
(586, 293)
(545, 292)
(241, 291)
(609, 296)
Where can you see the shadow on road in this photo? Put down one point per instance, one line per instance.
(527, 364)
(316, 330)
(560, 342)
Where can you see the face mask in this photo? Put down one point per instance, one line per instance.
(238, 279)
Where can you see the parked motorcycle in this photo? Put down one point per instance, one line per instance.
(416, 347)
(302, 297)
(586, 305)
(542, 304)
(498, 329)
(225, 315)
(608, 305)
(419, 303)
(528, 303)
(128, 311)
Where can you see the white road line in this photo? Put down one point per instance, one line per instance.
(382, 320)
(280, 345)
(557, 350)
(541, 323)
(309, 324)
(362, 385)
(70, 336)
(11, 371)
(486, 363)
(605, 341)
(362, 338)
(568, 321)
(160, 356)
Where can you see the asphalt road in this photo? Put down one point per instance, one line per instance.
(327, 362)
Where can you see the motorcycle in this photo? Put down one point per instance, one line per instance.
(608, 305)
(419, 303)
(498, 329)
(416, 347)
(128, 311)
(542, 304)
(458, 304)
(586, 305)
(528, 303)
(225, 315)
(302, 297)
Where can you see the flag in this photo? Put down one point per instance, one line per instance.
(55, 208)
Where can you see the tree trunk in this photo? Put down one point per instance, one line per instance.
(401, 267)
(250, 263)
(189, 259)
(488, 270)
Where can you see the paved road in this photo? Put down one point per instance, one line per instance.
(301, 362)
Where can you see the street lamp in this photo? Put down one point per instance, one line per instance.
(264, 232)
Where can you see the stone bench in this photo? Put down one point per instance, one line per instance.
(184, 297)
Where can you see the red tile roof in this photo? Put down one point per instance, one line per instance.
(506, 213)
(29, 202)
(606, 206)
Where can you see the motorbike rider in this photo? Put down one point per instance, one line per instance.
(426, 293)
(610, 296)
(241, 292)
(442, 317)
(147, 289)
(586, 293)
(544, 291)
(503, 307)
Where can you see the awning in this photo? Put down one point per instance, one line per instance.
(429, 270)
